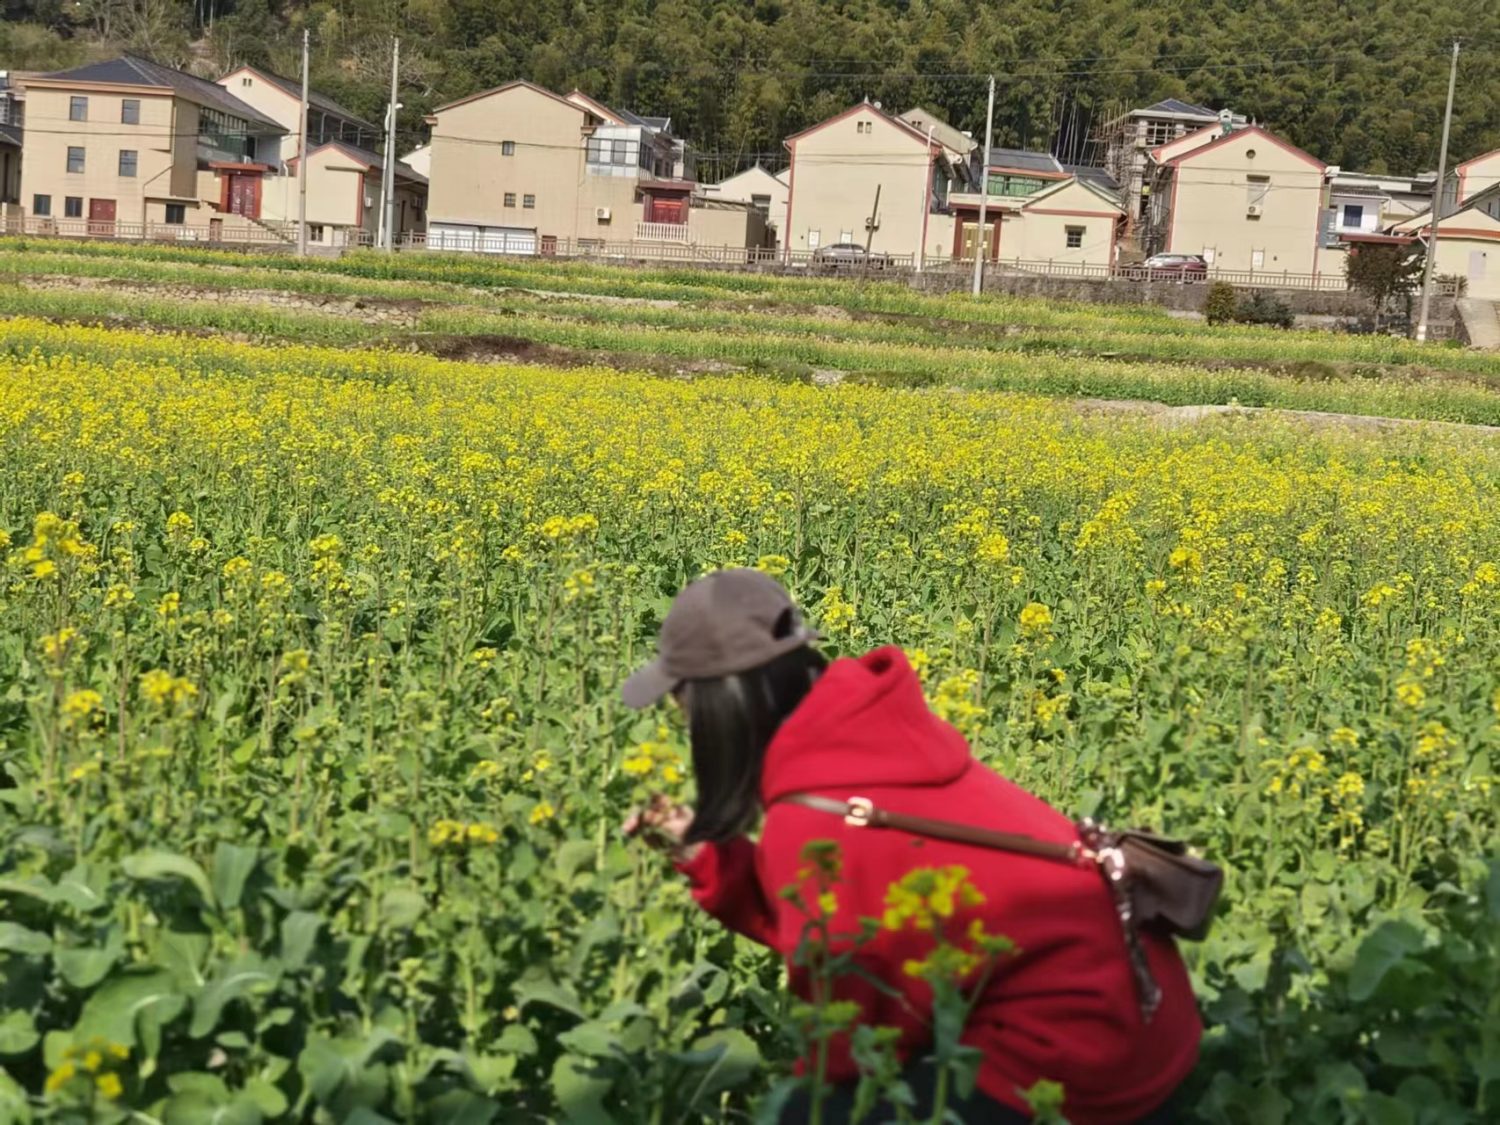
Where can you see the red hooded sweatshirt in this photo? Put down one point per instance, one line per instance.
(1062, 1007)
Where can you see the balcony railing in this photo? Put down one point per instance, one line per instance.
(662, 232)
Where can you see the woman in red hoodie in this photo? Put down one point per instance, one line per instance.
(769, 720)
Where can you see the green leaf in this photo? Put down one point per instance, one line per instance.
(1378, 954)
(85, 888)
(268, 1096)
(85, 967)
(232, 867)
(149, 865)
(18, 1033)
(248, 974)
(299, 932)
(15, 1108)
(15, 938)
(400, 908)
(29, 886)
(536, 986)
(182, 953)
(579, 1087)
(462, 1107)
(517, 1039)
(737, 1059)
(1382, 1109)
(113, 1009)
(593, 1039)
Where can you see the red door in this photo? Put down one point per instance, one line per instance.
(244, 195)
(102, 218)
(668, 211)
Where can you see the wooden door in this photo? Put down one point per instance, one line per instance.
(244, 195)
(102, 218)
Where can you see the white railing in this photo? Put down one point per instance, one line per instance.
(662, 232)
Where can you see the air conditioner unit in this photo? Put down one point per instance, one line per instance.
(602, 214)
(1254, 210)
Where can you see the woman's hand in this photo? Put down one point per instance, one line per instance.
(663, 824)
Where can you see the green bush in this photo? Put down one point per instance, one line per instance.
(1262, 308)
(1222, 304)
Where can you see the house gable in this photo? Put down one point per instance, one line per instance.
(894, 127)
(1072, 197)
(1241, 136)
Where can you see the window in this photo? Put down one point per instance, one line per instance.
(814, 239)
(1354, 215)
(247, 82)
(620, 152)
(507, 148)
(315, 232)
(41, 205)
(1256, 190)
(761, 203)
(528, 201)
(75, 158)
(1257, 259)
(1159, 132)
(864, 127)
(73, 207)
(78, 109)
(130, 111)
(176, 214)
(1075, 238)
(1208, 254)
(510, 199)
(127, 162)
(846, 236)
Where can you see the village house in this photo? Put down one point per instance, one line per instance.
(1468, 242)
(765, 190)
(1362, 207)
(129, 148)
(522, 170)
(1244, 199)
(12, 122)
(867, 177)
(1039, 212)
(343, 186)
(1128, 140)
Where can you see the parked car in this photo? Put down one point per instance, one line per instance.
(1170, 267)
(849, 255)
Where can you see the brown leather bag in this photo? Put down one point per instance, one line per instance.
(1152, 880)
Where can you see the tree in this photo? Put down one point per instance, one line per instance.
(1384, 272)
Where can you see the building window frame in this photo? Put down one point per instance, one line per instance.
(510, 199)
(1073, 237)
(130, 111)
(72, 206)
(77, 160)
(1359, 215)
(315, 232)
(78, 108)
(175, 214)
(507, 148)
(130, 160)
(528, 202)
(41, 206)
(1160, 133)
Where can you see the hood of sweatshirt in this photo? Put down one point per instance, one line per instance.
(866, 723)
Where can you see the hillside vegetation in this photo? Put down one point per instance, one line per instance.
(1361, 86)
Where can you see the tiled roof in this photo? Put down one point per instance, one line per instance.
(1176, 105)
(315, 99)
(373, 159)
(1025, 160)
(131, 70)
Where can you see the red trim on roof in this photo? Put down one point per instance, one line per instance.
(904, 126)
(1151, 152)
(1250, 130)
(1475, 160)
(603, 110)
(532, 86)
(1395, 239)
(238, 166)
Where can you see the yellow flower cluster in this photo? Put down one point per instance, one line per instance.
(95, 1062)
(457, 834)
(927, 896)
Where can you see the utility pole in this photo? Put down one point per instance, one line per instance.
(302, 158)
(984, 191)
(1437, 199)
(922, 214)
(870, 226)
(388, 172)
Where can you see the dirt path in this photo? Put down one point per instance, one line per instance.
(1192, 415)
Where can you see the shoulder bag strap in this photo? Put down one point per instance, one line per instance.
(860, 812)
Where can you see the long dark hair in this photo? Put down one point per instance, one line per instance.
(731, 720)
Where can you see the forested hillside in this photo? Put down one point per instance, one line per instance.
(1359, 84)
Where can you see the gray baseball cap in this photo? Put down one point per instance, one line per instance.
(726, 622)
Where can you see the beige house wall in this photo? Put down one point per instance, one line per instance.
(835, 171)
(1470, 248)
(102, 137)
(727, 226)
(271, 101)
(471, 175)
(744, 186)
(1477, 174)
(1211, 194)
(1039, 233)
